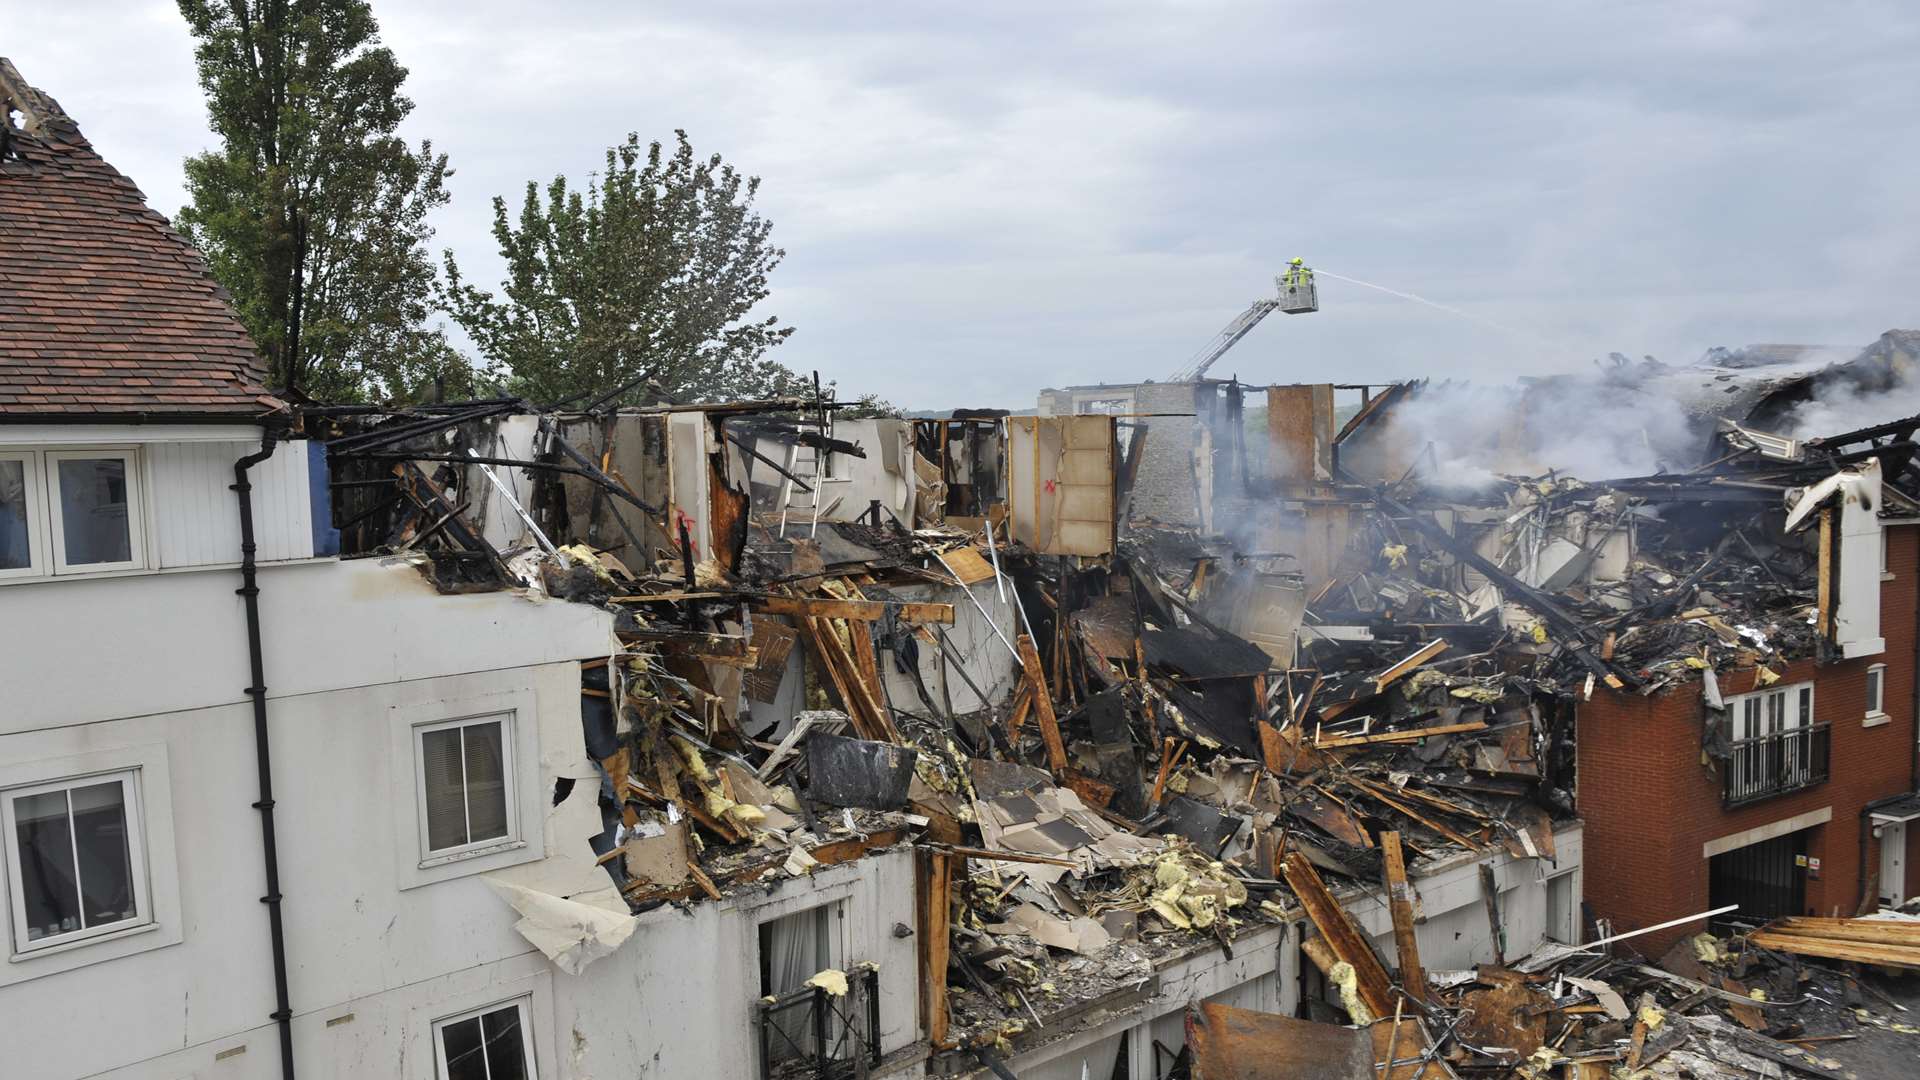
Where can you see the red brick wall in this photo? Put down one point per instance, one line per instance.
(1650, 803)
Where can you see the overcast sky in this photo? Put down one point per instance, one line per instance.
(981, 199)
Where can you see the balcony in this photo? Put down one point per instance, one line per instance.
(811, 1034)
(1774, 764)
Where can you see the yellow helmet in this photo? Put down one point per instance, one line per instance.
(1297, 262)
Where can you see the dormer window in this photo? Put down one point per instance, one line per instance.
(71, 512)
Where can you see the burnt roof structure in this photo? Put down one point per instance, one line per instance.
(105, 310)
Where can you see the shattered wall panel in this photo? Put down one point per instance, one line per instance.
(635, 447)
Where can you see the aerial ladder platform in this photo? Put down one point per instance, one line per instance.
(1294, 294)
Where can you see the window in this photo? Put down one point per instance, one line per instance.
(70, 512)
(486, 1044)
(1876, 691)
(21, 506)
(1777, 746)
(466, 788)
(793, 949)
(807, 1030)
(76, 865)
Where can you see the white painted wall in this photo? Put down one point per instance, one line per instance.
(886, 473)
(679, 998)
(183, 477)
(149, 669)
(989, 662)
(84, 650)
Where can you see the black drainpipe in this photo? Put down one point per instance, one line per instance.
(250, 591)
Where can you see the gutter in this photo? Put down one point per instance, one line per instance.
(282, 1014)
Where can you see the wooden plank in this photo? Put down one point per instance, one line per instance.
(828, 656)
(1000, 856)
(1412, 735)
(1863, 952)
(1022, 704)
(1413, 978)
(1490, 896)
(1343, 936)
(1043, 706)
(1872, 931)
(867, 667)
(1400, 668)
(1378, 792)
(968, 565)
(865, 610)
(1169, 757)
(1273, 748)
(936, 880)
(1824, 624)
(869, 719)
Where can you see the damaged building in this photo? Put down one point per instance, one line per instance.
(762, 738)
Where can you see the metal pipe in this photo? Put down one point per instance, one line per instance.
(249, 591)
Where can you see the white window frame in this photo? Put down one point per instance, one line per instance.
(36, 497)
(509, 755)
(523, 1005)
(1765, 722)
(1876, 696)
(136, 508)
(129, 781)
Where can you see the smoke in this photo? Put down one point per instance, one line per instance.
(1628, 418)
(1466, 435)
(1881, 384)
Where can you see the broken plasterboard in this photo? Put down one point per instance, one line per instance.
(571, 933)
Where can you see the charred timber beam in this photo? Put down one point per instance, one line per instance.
(613, 486)
(592, 472)
(388, 436)
(767, 461)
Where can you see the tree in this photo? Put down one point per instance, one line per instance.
(652, 271)
(313, 212)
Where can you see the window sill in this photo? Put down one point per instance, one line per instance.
(1886, 575)
(478, 852)
(82, 943)
(1876, 719)
(145, 571)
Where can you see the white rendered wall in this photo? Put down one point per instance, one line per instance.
(679, 998)
(355, 652)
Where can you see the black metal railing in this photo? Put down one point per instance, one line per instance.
(812, 1033)
(1769, 765)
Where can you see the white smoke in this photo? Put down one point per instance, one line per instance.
(1595, 427)
(1880, 385)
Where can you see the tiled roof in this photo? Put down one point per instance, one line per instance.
(105, 310)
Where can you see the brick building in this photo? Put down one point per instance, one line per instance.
(1808, 817)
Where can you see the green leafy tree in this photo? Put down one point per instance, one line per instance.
(653, 270)
(313, 211)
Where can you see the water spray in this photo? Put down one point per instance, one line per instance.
(1449, 309)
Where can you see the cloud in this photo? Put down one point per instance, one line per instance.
(979, 201)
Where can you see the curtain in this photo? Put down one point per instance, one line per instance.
(792, 950)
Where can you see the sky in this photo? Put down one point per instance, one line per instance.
(981, 200)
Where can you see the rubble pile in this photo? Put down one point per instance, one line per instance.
(1113, 748)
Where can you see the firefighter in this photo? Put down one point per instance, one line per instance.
(1298, 276)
